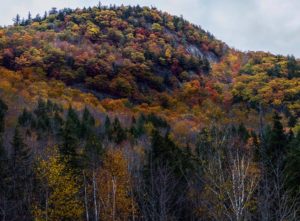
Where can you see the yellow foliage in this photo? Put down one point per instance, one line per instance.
(60, 191)
(114, 185)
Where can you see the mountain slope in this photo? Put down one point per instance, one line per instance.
(129, 52)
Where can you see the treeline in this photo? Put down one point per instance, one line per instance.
(111, 171)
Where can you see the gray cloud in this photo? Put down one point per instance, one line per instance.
(269, 25)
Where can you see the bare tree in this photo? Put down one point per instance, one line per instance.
(275, 202)
(230, 182)
(158, 199)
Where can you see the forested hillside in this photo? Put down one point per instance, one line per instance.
(130, 113)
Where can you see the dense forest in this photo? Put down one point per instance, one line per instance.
(129, 113)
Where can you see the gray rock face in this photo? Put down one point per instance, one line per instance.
(195, 51)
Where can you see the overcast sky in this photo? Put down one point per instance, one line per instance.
(268, 25)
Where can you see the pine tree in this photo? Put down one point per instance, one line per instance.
(117, 134)
(93, 151)
(41, 112)
(70, 136)
(107, 126)
(25, 118)
(276, 147)
(29, 18)
(3, 161)
(243, 132)
(3, 110)
(21, 156)
(20, 176)
(292, 171)
(17, 20)
(87, 123)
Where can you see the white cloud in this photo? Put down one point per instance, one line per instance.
(269, 25)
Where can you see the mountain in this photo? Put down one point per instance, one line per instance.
(134, 95)
(130, 52)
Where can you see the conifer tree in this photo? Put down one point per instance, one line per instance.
(3, 110)
(70, 136)
(20, 175)
(118, 134)
(107, 126)
(276, 147)
(3, 162)
(87, 123)
(25, 118)
(292, 171)
(93, 151)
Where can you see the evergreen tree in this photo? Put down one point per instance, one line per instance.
(292, 171)
(118, 134)
(243, 132)
(70, 136)
(38, 18)
(87, 123)
(203, 146)
(29, 18)
(292, 121)
(3, 110)
(17, 20)
(293, 67)
(107, 126)
(93, 151)
(42, 118)
(25, 118)
(164, 152)
(20, 177)
(57, 122)
(3, 161)
(276, 147)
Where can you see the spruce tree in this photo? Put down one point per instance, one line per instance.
(118, 134)
(107, 126)
(276, 147)
(93, 151)
(25, 118)
(70, 136)
(20, 176)
(292, 171)
(3, 110)
(3, 159)
(87, 123)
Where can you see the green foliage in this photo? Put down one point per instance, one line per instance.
(44, 120)
(292, 172)
(165, 153)
(93, 152)
(3, 153)
(276, 147)
(70, 137)
(20, 175)
(87, 123)
(25, 118)
(3, 110)
(293, 67)
(116, 132)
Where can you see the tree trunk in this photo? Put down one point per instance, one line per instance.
(95, 197)
(85, 198)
